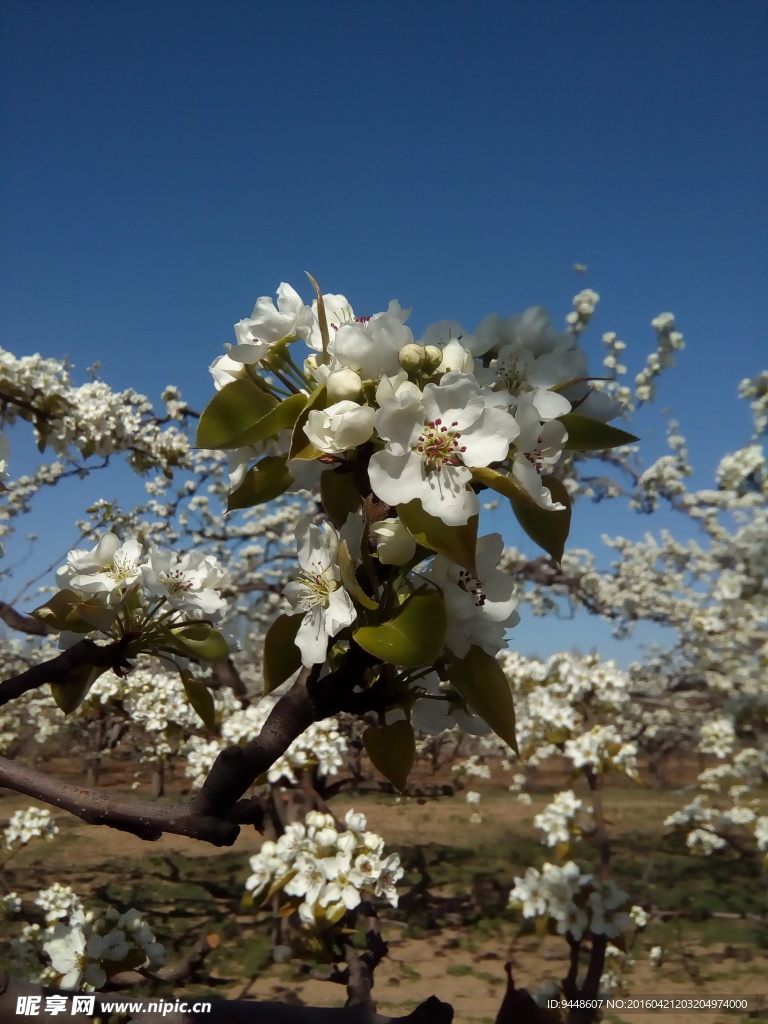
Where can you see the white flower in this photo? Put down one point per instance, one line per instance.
(640, 916)
(188, 582)
(318, 591)
(538, 448)
(110, 566)
(340, 427)
(268, 325)
(344, 882)
(309, 880)
(394, 545)
(473, 797)
(479, 609)
(73, 955)
(343, 384)
(433, 440)
(656, 956)
(224, 370)
(370, 346)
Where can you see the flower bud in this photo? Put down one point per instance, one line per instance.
(343, 385)
(433, 356)
(411, 356)
(394, 545)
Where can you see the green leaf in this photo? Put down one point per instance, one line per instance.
(201, 641)
(547, 528)
(392, 750)
(280, 418)
(322, 319)
(72, 690)
(268, 479)
(236, 408)
(588, 435)
(281, 655)
(503, 484)
(300, 446)
(458, 543)
(339, 495)
(480, 680)
(413, 638)
(201, 699)
(349, 579)
(67, 610)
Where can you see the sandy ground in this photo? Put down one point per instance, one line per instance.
(461, 968)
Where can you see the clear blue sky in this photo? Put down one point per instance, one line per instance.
(168, 161)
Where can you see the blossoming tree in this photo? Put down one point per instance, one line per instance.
(400, 607)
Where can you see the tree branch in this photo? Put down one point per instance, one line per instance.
(55, 670)
(23, 623)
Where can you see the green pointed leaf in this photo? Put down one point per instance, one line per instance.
(392, 750)
(480, 680)
(348, 578)
(233, 410)
(72, 690)
(413, 638)
(339, 495)
(322, 319)
(200, 641)
(458, 543)
(268, 479)
(96, 614)
(280, 418)
(281, 655)
(300, 446)
(588, 435)
(503, 484)
(547, 528)
(201, 699)
(67, 610)
(58, 612)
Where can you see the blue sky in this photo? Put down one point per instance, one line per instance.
(167, 162)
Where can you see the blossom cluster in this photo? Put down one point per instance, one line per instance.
(433, 409)
(325, 872)
(29, 823)
(320, 744)
(574, 901)
(80, 949)
(154, 601)
(557, 820)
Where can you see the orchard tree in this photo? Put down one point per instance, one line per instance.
(373, 449)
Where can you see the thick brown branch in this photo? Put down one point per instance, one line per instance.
(23, 623)
(86, 652)
(142, 818)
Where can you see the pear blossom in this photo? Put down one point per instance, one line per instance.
(318, 591)
(370, 347)
(394, 544)
(340, 427)
(538, 448)
(75, 955)
(479, 609)
(268, 325)
(103, 571)
(188, 582)
(433, 440)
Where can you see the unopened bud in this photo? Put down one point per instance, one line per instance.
(343, 385)
(411, 356)
(433, 356)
